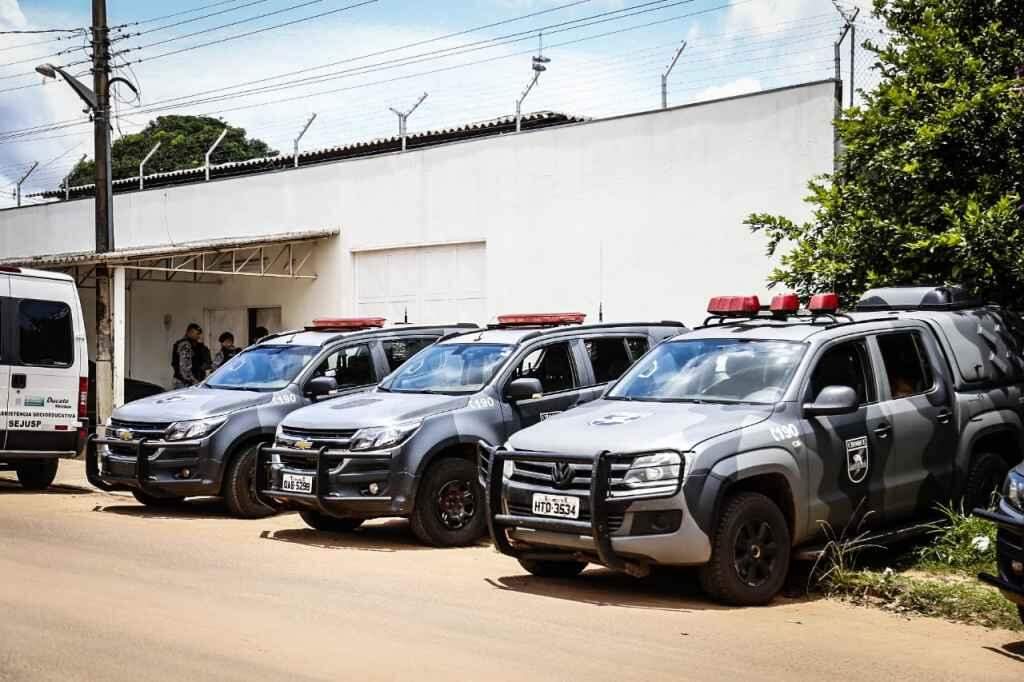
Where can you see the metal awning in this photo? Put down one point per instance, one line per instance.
(281, 256)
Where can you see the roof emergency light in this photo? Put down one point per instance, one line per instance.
(540, 319)
(347, 324)
(785, 304)
(824, 304)
(734, 306)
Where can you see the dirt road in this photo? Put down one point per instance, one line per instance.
(94, 586)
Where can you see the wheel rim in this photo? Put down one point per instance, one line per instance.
(755, 553)
(456, 504)
(251, 483)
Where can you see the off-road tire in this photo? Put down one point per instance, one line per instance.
(720, 577)
(553, 569)
(156, 502)
(239, 486)
(986, 475)
(37, 474)
(329, 524)
(426, 520)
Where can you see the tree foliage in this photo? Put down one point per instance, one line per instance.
(183, 144)
(929, 183)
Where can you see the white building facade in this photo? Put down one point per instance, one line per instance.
(639, 216)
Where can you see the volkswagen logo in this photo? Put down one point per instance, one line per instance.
(562, 474)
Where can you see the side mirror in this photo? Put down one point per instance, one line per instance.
(320, 386)
(523, 389)
(833, 400)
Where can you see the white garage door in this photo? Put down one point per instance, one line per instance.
(431, 283)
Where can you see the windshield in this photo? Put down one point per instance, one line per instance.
(712, 370)
(449, 368)
(263, 368)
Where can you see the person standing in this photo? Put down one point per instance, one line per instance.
(187, 357)
(227, 350)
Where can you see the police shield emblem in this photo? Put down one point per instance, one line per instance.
(857, 459)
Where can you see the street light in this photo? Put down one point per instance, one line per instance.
(538, 68)
(87, 95)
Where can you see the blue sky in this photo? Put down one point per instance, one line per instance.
(734, 46)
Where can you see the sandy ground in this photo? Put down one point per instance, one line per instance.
(94, 586)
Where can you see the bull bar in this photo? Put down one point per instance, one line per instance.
(143, 448)
(598, 526)
(324, 458)
(1013, 592)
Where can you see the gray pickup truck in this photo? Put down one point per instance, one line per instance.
(735, 446)
(202, 440)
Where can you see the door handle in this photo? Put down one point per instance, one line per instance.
(19, 381)
(944, 416)
(883, 430)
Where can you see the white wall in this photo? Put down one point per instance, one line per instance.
(643, 212)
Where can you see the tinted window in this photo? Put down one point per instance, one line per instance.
(844, 365)
(400, 350)
(350, 366)
(608, 357)
(552, 365)
(262, 368)
(638, 345)
(906, 364)
(449, 368)
(44, 329)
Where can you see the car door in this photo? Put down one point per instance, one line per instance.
(917, 406)
(556, 366)
(353, 366)
(843, 451)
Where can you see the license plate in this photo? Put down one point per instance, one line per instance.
(561, 506)
(295, 483)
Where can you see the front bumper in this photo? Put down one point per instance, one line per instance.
(154, 468)
(340, 482)
(1009, 550)
(602, 538)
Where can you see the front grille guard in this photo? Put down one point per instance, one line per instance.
(324, 458)
(1015, 525)
(492, 461)
(143, 448)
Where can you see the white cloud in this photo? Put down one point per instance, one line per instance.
(740, 86)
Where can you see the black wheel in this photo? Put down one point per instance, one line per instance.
(329, 524)
(37, 474)
(986, 477)
(553, 569)
(154, 501)
(449, 505)
(750, 552)
(1020, 613)
(240, 486)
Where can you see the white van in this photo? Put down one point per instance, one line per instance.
(44, 377)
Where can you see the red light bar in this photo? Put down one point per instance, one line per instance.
(9, 268)
(824, 303)
(785, 303)
(346, 323)
(734, 306)
(534, 319)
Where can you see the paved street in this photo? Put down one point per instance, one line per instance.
(94, 586)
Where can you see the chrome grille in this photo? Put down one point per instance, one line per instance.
(147, 430)
(540, 475)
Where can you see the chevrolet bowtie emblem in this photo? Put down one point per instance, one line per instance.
(124, 434)
(303, 444)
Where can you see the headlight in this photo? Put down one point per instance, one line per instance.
(379, 437)
(196, 428)
(1013, 491)
(655, 473)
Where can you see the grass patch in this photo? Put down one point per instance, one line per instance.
(936, 578)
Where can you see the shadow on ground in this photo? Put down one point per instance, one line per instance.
(393, 535)
(193, 508)
(10, 486)
(1012, 650)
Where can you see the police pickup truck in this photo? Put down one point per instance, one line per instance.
(733, 447)
(409, 448)
(202, 440)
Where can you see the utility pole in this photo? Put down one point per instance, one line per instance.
(403, 118)
(24, 177)
(104, 213)
(664, 76)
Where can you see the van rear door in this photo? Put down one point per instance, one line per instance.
(42, 403)
(5, 358)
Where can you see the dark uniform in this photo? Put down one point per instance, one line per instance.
(187, 362)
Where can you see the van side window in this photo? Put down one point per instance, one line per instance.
(906, 364)
(400, 350)
(552, 365)
(45, 335)
(350, 366)
(845, 365)
(608, 357)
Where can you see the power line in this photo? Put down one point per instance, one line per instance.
(81, 31)
(183, 12)
(189, 21)
(42, 30)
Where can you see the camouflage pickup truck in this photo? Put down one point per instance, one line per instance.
(735, 446)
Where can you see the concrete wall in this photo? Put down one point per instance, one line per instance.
(643, 213)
